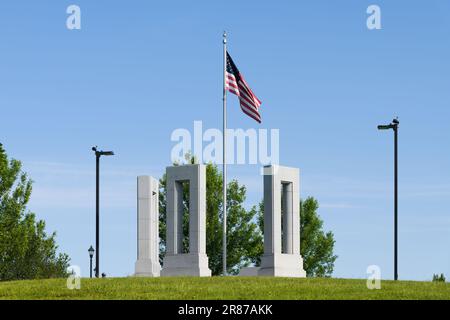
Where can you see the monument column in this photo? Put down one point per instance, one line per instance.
(147, 264)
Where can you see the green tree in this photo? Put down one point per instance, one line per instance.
(26, 251)
(316, 246)
(438, 278)
(244, 245)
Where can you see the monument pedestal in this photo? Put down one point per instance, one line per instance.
(147, 268)
(282, 265)
(277, 265)
(249, 272)
(195, 265)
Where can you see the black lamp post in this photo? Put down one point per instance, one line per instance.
(91, 255)
(394, 126)
(98, 154)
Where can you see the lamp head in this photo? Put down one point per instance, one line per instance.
(91, 252)
(385, 127)
(106, 153)
(99, 153)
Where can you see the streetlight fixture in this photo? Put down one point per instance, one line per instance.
(394, 126)
(98, 154)
(91, 255)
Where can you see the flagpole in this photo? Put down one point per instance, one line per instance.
(224, 172)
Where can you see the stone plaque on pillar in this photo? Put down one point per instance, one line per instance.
(147, 264)
(194, 261)
(281, 223)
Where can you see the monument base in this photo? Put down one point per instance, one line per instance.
(282, 265)
(147, 268)
(249, 272)
(195, 265)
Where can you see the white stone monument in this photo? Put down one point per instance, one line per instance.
(281, 225)
(195, 262)
(281, 241)
(147, 264)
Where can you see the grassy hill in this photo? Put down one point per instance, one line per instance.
(221, 288)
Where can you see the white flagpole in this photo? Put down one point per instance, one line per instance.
(224, 257)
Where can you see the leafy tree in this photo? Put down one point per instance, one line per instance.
(244, 245)
(26, 251)
(438, 278)
(316, 246)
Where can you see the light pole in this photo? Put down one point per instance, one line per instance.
(91, 254)
(394, 126)
(98, 154)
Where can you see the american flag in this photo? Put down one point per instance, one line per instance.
(235, 83)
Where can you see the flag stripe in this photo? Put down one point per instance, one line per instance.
(249, 109)
(250, 91)
(248, 106)
(251, 115)
(247, 97)
(241, 91)
(235, 83)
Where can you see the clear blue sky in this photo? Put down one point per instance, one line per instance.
(138, 70)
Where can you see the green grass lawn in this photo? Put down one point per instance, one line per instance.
(218, 288)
